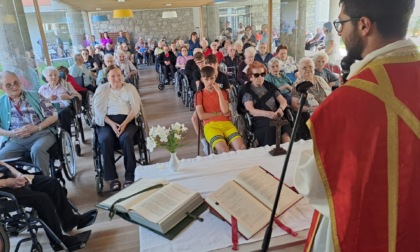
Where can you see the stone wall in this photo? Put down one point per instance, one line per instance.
(149, 24)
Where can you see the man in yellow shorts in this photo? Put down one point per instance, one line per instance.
(213, 108)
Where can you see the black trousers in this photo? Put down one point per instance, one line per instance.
(166, 69)
(66, 115)
(108, 139)
(49, 199)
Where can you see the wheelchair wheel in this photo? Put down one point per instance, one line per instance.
(69, 159)
(161, 86)
(97, 162)
(99, 183)
(36, 247)
(78, 150)
(89, 108)
(4, 240)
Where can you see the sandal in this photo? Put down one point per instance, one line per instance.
(128, 183)
(115, 185)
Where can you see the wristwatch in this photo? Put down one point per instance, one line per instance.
(39, 127)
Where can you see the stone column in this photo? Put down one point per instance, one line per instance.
(211, 23)
(15, 44)
(301, 27)
(76, 27)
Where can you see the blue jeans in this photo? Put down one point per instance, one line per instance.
(37, 144)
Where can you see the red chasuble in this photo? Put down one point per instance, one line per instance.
(367, 148)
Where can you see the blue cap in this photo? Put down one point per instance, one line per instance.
(328, 26)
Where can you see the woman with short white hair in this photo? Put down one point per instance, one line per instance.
(127, 68)
(108, 60)
(242, 76)
(60, 92)
(279, 79)
(320, 59)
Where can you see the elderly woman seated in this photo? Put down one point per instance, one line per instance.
(287, 63)
(265, 103)
(108, 60)
(25, 118)
(59, 92)
(242, 74)
(182, 59)
(282, 82)
(127, 68)
(79, 71)
(116, 104)
(320, 59)
(316, 94)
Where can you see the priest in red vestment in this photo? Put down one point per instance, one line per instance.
(364, 176)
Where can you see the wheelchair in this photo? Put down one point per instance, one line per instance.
(144, 154)
(229, 71)
(187, 94)
(134, 80)
(161, 85)
(87, 97)
(15, 219)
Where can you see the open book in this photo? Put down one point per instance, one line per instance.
(250, 198)
(160, 207)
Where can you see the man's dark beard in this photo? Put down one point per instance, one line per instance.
(355, 47)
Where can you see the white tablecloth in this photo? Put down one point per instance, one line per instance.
(207, 174)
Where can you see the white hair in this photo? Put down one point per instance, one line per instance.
(250, 51)
(48, 70)
(108, 56)
(271, 62)
(304, 60)
(321, 54)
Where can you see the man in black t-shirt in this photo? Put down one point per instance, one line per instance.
(227, 32)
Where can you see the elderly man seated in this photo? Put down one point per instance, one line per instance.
(49, 199)
(25, 120)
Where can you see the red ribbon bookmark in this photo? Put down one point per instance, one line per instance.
(285, 228)
(235, 235)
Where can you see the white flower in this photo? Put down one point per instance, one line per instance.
(167, 137)
(177, 136)
(151, 143)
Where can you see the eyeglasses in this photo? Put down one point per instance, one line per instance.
(338, 24)
(256, 75)
(10, 85)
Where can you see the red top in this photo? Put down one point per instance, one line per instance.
(73, 82)
(219, 55)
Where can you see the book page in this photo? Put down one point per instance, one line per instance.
(137, 186)
(161, 204)
(264, 187)
(232, 199)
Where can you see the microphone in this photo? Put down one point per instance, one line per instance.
(345, 64)
(303, 87)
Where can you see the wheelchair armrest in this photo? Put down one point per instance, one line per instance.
(77, 105)
(288, 114)
(11, 197)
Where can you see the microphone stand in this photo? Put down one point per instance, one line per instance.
(302, 88)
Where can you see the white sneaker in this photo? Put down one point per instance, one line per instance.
(205, 146)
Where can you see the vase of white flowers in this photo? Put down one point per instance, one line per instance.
(169, 138)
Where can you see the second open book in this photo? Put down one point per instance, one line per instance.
(250, 198)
